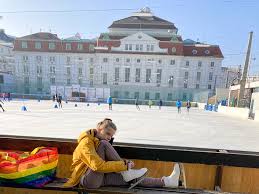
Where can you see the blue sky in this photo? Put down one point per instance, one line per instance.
(223, 22)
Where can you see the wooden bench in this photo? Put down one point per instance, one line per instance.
(207, 169)
(122, 190)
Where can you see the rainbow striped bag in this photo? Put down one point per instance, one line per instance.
(33, 169)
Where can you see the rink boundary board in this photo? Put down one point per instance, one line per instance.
(142, 151)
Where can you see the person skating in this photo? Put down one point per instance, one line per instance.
(109, 101)
(137, 103)
(160, 104)
(2, 106)
(188, 106)
(178, 105)
(150, 103)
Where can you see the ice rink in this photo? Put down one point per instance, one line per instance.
(147, 126)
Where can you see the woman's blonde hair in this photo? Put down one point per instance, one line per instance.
(106, 123)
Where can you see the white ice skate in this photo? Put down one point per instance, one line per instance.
(132, 174)
(172, 181)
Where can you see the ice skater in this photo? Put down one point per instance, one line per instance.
(136, 103)
(150, 103)
(188, 106)
(178, 105)
(160, 104)
(109, 101)
(96, 163)
(59, 101)
(2, 106)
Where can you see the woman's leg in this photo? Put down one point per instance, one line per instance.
(115, 179)
(93, 179)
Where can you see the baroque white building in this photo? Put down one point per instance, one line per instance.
(7, 81)
(141, 56)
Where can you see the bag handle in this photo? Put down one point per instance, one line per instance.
(36, 150)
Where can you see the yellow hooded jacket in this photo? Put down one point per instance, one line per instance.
(85, 157)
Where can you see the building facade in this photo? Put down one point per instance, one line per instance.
(7, 64)
(141, 56)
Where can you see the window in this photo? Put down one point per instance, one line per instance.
(141, 47)
(127, 74)
(91, 60)
(130, 47)
(126, 94)
(39, 69)
(68, 70)
(146, 95)
(199, 64)
(1, 79)
(68, 46)
(52, 46)
(209, 86)
(52, 69)
(117, 60)
(91, 83)
(170, 96)
(128, 60)
(105, 78)
(148, 47)
(197, 86)
(26, 80)
(105, 60)
(80, 71)
(79, 47)
(159, 61)
(137, 76)
(52, 59)
(68, 81)
(138, 60)
(210, 76)
(52, 80)
(25, 58)
(171, 81)
(80, 81)
(24, 44)
(157, 96)
(117, 74)
(38, 58)
(136, 95)
(152, 48)
(172, 62)
(184, 96)
(25, 68)
(91, 47)
(198, 78)
(39, 81)
(187, 64)
(137, 47)
(185, 85)
(186, 75)
(126, 47)
(159, 76)
(38, 45)
(91, 70)
(212, 64)
(194, 52)
(68, 59)
(148, 75)
(116, 94)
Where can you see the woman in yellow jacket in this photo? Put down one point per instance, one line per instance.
(96, 163)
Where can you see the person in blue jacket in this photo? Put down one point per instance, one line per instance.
(179, 105)
(109, 101)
